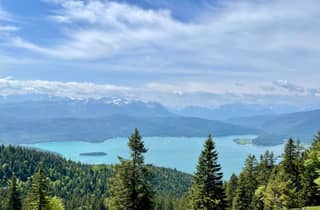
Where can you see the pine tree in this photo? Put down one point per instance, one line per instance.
(37, 198)
(55, 203)
(293, 168)
(231, 189)
(14, 200)
(289, 163)
(264, 167)
(207, 192)
(130, 187)
(247, 185)
(279, 193)
(311, 173)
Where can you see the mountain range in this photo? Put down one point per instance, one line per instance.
(28, 119)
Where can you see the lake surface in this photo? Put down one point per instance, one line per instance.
(174, 152)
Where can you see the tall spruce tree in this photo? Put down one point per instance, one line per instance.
(13, 199)
(231, 189)
(247, 185)
(37, 199)
(292, 165)
(207, 192)
(130, 187)
(265, 167)
(311, 173)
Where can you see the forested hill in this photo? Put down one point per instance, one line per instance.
(77, 184)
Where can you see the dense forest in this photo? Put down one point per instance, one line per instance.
(38, 180)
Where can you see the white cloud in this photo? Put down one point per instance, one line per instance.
(10, 86)
(170, 94)
(8, 28)
(4, 16)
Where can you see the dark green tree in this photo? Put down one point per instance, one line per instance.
(264, 167)
(207, 192)
(13, 199)
(231, 189)
(247, 185)
(37, 199)
(292, 165)
(130, 188)
(311, 173)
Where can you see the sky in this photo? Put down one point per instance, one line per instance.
(176, 52)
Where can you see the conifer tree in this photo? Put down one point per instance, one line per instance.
(247, 185)
(130, 187)
(231, 189)
(55, 203)
(264, 167)
(290, 160)
(14, 199)
(37, 199)
(292, 166)
(279, 193)
(311, 173)
(207, 192)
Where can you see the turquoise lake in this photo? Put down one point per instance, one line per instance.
(173, 152)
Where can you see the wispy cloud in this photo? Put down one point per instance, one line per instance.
(259, 40)
(8, 28)
(289, 86)
(10, 86)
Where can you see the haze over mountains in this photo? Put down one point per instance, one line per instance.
(34, 118)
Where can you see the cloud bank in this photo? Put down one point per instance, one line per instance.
(178, 94)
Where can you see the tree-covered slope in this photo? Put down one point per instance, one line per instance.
(78, 184)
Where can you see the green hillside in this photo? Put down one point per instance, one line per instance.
(78, 184)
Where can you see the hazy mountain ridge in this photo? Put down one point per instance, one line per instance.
(29, 118)
(298, 125)
(99, 129)
(236, 110)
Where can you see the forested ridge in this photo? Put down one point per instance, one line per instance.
(32, 179)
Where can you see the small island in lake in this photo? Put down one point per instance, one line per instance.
(242, 141)
(93, 154)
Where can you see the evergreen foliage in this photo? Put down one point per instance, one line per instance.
(55, 203)
(130, 187)
(38, 199)
(311, 175)
(231, 188)
(207, 192)
(279, 194)
(14, 198)
(247, 185)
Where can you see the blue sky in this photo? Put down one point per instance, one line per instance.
(191, 52)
